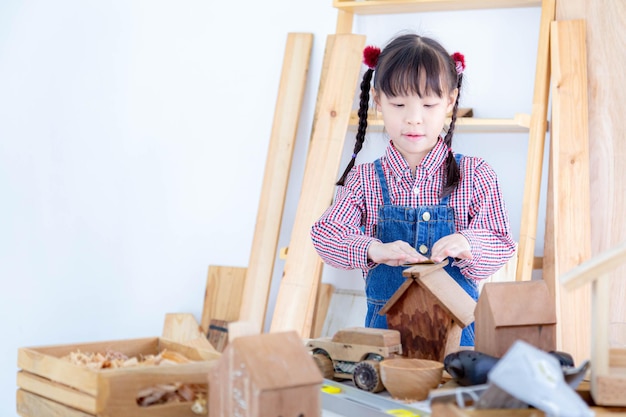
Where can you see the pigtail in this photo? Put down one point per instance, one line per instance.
(370, 58)
(453, 171)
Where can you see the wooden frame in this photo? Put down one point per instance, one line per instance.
(608, 370)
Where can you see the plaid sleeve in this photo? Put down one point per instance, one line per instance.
(488, 230)
(338, 236)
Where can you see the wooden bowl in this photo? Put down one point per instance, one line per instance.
(410, 379)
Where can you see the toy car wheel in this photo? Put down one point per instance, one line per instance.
(366, 376)
(325, 365)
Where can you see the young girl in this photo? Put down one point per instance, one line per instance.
(419, 201)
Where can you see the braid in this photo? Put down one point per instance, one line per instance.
(360, 133)
(453, 172)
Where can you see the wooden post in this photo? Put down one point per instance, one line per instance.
(295, 303)
(258, 277)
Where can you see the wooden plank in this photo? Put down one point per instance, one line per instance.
(223, 294)
(606, 41)
(277, 167)
(324, 296)
(295, 303)
(536, 144)
(568, 235)
(32, 405)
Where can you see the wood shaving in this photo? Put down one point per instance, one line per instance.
(158, 394)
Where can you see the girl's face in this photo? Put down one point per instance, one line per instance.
(414, 123)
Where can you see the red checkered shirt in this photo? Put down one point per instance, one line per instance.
(343, 233)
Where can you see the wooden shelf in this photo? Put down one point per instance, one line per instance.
(413, 6)
(519, 124)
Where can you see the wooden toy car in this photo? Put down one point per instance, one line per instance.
(355, 353)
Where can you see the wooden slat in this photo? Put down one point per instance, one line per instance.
(536, 143)
(277, 166)
(33, 405)
(568, 240)
(223, 294)
(295, 302)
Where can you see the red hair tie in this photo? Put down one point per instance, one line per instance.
(459, 62)
(370, 56)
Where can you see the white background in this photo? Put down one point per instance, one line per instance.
(133, 137)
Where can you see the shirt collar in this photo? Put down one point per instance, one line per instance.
(431, 163)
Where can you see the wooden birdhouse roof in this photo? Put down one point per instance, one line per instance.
(517, 303)
(275, 360)
(434, 279)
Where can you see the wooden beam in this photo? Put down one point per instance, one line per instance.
(568, 239)
(295, 303)
(595, 267)
(536, 144)
(277, 167)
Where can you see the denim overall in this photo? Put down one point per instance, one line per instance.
(421, 227)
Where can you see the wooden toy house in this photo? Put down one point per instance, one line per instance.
(430, 310)
(608, 365)
(515, 310)
(267, 375)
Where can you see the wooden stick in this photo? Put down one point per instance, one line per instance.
(536, 143)
(277, 166)
(295, 303)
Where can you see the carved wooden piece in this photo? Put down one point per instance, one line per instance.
(429, 310)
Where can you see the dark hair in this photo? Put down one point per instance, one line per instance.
(400, 67)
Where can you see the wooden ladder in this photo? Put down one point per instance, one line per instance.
(297, 293)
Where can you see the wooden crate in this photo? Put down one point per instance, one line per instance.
(50, 386)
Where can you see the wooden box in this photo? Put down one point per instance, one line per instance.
(52, 386)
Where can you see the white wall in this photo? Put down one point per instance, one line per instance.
(133, 137)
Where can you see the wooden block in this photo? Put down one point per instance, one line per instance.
(295, 303)
(241, 328)
(275, 180)
(223, 294)
(568, 218)
(515, 310)
(108, 392)
(218, 334)
(536, 144)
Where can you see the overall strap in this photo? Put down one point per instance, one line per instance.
(383, 182)
(446, 199)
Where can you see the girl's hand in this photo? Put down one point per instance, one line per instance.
(394, 253)
(454, 245)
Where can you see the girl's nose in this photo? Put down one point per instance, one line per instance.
(414, 116)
